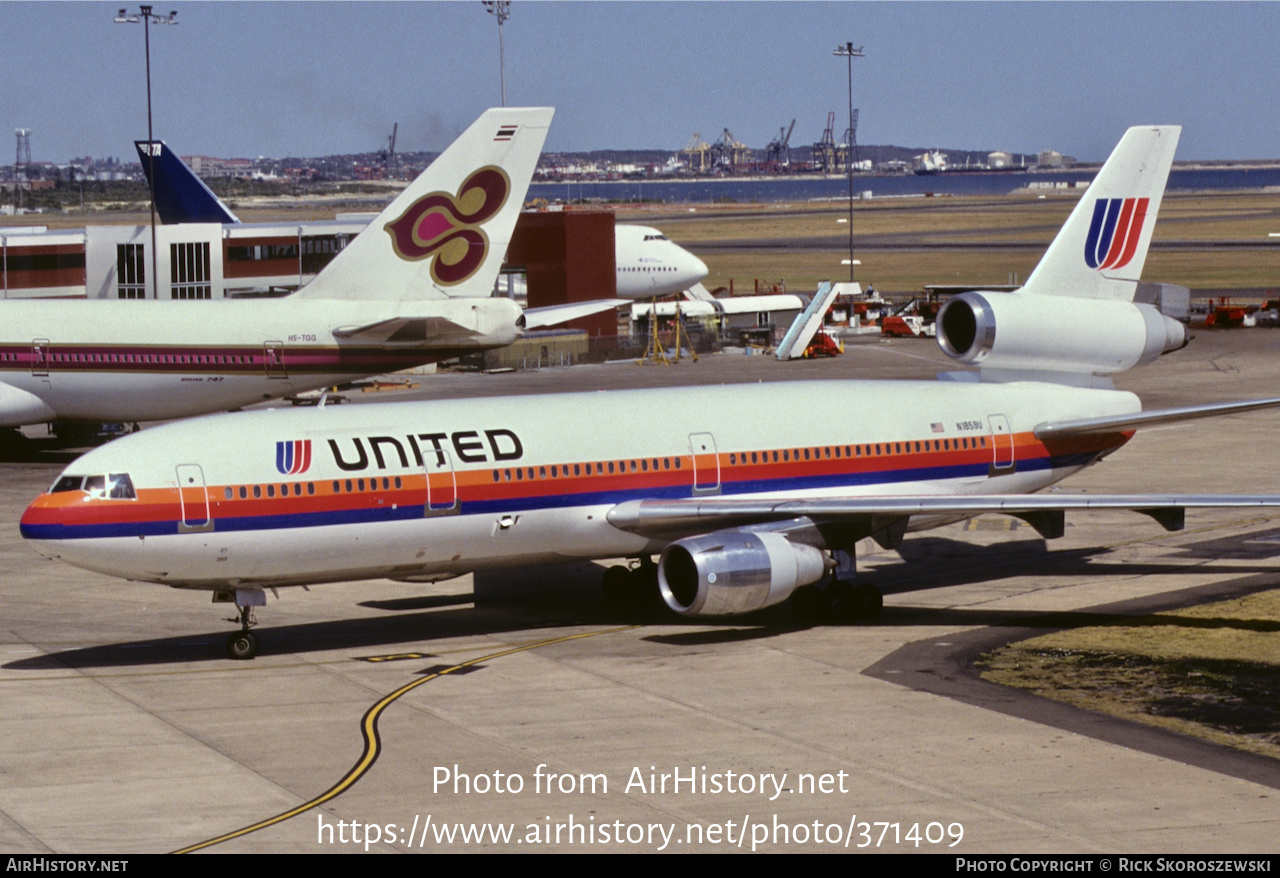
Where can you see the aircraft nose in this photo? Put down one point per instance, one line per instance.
(694, 269)
(40, 523)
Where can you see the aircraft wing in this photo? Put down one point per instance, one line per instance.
(551, 315)
(1156, 417)
(661, 519)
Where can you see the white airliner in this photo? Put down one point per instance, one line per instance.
(414, 288)
(743, 509)
(650, 265)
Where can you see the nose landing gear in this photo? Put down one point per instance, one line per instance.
(243, 644)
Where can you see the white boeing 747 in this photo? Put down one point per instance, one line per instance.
(743, 508)
(413, 288)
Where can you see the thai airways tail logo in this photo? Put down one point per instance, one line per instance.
(293, 457)
(1114, 232)
(449, 227)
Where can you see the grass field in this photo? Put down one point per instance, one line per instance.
(1211, 671)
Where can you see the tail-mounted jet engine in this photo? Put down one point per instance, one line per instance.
(1054, 333)
(735, 571)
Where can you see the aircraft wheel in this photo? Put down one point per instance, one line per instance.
(242, 645)
(867, 602)
(807, 604)
(853, 602)
(618, 583)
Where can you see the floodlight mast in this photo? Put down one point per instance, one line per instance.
(148, 18)
(501, 10)
(848, 51)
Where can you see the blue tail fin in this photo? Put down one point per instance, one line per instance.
(181, 196)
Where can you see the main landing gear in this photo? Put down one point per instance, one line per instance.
(243, 644)
(839, 599)
(634, 586)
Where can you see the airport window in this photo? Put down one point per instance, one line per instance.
(189, 271)
(131, 272)
(256, 252)
(318, 251)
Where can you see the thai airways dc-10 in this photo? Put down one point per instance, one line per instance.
(414, 288)
(743, 508)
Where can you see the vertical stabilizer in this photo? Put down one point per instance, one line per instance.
(1100, 251)
(446, 235)
(181, 196)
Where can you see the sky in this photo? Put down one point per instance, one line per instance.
(244, 79)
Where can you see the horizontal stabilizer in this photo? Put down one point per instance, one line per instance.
(668, 518)
(553, 315)
(408, 330)
(1158, 417)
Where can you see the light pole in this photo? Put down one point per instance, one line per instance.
(501, 10)
(147, 18)
(848, 51)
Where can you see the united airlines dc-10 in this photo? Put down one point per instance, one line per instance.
(744, 510)
(414, 288)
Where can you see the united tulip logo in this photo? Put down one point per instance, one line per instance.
(449, 227)
(1114, 232)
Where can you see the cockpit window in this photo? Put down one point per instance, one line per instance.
(67, 483)
(117, 486)
(121, 487)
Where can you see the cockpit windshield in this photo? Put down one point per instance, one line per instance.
(116, 486)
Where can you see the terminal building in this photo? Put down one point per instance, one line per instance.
(193, 260)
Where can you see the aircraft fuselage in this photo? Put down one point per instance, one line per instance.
(148, 360)
(430, 490)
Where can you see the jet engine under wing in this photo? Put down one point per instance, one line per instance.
(665, 519)
(1156, 417)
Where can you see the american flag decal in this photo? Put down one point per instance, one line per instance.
(293, 457)
(506, 132)
(937, 428)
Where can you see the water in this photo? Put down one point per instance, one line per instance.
(773, 189)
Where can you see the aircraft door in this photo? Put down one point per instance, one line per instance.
(40, 357)
(706, 463)
(273, 359)
(442, 483)
(194, 499)
(1003, 461)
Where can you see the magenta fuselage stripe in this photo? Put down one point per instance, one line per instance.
(90, 358)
